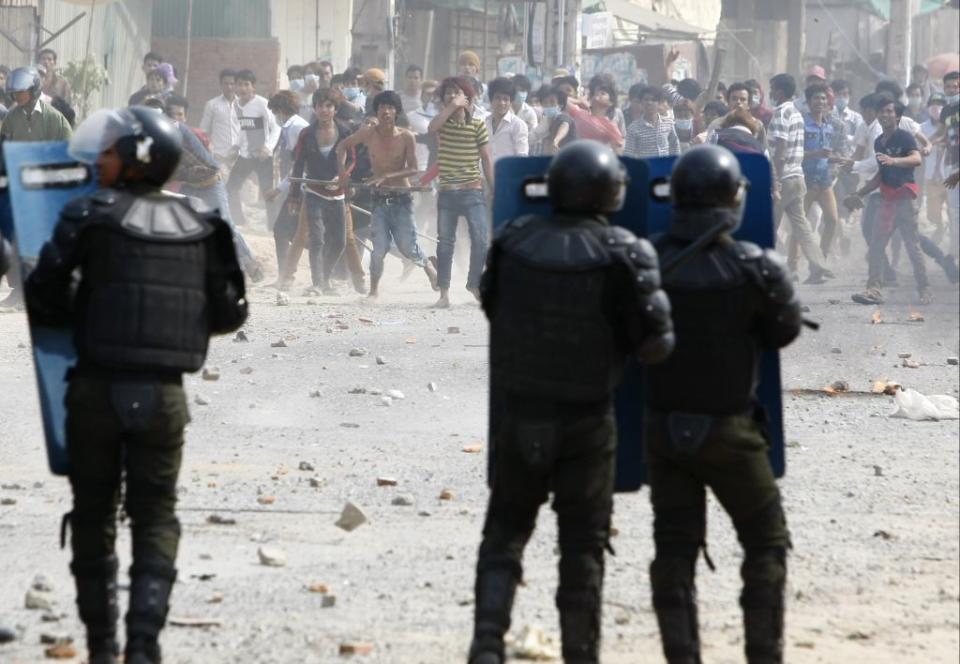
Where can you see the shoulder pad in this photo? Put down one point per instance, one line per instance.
(78, 209)
(543, 243)
(617, 235)
(516, 224)
(772, 275)
(104, 197)
(747, 251)
(165, 219)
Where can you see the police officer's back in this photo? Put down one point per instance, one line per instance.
(156, 280)
(705, 428)
(570, 298)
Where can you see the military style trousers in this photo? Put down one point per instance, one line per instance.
(685, 455)
(569, 450)
(131, 430)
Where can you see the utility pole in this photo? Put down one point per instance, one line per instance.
(796, 32)
(899, 39)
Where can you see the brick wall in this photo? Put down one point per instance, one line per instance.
(209, 56)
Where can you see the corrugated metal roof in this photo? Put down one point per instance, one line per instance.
(220, 19)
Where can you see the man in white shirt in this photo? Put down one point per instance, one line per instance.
(412, 95)
(259, 135)
(220, 122)
(521, 108)
(508, 133)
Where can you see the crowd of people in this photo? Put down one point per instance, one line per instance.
(376, 166)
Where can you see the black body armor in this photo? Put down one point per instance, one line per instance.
(569, 299)
(729, 303)
(158, 278)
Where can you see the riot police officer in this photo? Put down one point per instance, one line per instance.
(569, 298)
(705, 428)
(156, 280)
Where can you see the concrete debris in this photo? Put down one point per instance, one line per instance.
(358, 390)
(533, 644)
(38, 600)
(953, 361)
(8, 501)
(42, 583)
(446, 494)
(357, 352)
(315, 394)
(60, 651)
(318, 588)
(904, 356)
(215, 598)
(453, 329)
(283, 300)
(403, 500)
(272, 556)
(381, 359)
(884, 535)
(473, 448)
(836, 350)
(913, 405)
(246, 371)
(219, 520)
(911, 364)
(328, 601)
(887, 387)
(877, 471)
(432, 386)
(356, 648)
(211, 374)
(240, 336)
(266, 500)
(351, 517)
(317, 482)
(280, 343)
(375, 391)
(49, 639)
(386, 481)
(201, 400)
(306, 465)
(7, 635)
(386, 401)
(395, 394)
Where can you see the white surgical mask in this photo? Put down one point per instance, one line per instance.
(685, 124)
(550, 112)
(953, 99)
(841, 103)
(312, 78)
(296, 84)
(755, 100)
(521, 96)
(915, 101)
(351, 93)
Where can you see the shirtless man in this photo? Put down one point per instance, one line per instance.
(393, 160)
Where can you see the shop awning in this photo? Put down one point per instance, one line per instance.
(649, 21)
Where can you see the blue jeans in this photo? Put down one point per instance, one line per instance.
(451, 205)
(392, 219)
(215, 198)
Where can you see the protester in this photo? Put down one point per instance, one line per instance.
(150, 62)
(54, 84)
(258, 137)
(285, 106)
(521, 108)
(824, 139)
(508, 133)
(758, 107)
(738, 131)
(557, 128)
(221, 123)
(649, 133)
(412, 94)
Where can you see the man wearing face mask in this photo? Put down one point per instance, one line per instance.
(916, 110)
(521, 108)
(847, 182)
(758, 107)
(352, 92)
(683, 123)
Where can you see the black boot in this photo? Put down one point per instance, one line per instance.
(763, 623)
(495, 591)
(579, 626)
(150, 586)
(96, 583)
(676, 609)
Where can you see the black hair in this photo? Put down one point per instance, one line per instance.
(786, 83)
(177, 100)
(388, 98)
(351, 73)
(521, 83)
(293, 70)
(914, 86)
(338, 79)
(566, 80)
(716, 107)
(159, 73)
(322, 95)
(603, 83)
(869, 101)
(734, 87)
(951, 76)
(753, 84)
(325, 63)
(156, 57)
(552, 91)
(889, 87)
(154, 102)
(51, 52)
(646, 90)
(414, 68)
(287, 101)
(246, 75)
(224, 73)
(885, 100)
(501, 86)
(815, 89)
(689, 88)
(838, 85)
(634, 91)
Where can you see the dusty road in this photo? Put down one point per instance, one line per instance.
(872, 502)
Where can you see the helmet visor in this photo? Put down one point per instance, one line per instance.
(97, 133)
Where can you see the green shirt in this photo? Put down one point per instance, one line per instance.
(458, 153)
(43, 123)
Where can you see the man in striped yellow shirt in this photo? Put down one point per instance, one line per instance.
(463, 147)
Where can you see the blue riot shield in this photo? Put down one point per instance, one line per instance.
(41, 179)
(520, 190)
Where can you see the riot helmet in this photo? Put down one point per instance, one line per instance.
(143, 137)
(25, 79)
(708, 177)
(587, 176)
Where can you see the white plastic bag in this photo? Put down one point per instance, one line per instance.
(913, 405)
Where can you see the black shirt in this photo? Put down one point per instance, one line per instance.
(900, 144)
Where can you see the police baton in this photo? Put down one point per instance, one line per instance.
(702, 243)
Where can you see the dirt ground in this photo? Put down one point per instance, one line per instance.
(872, 502)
